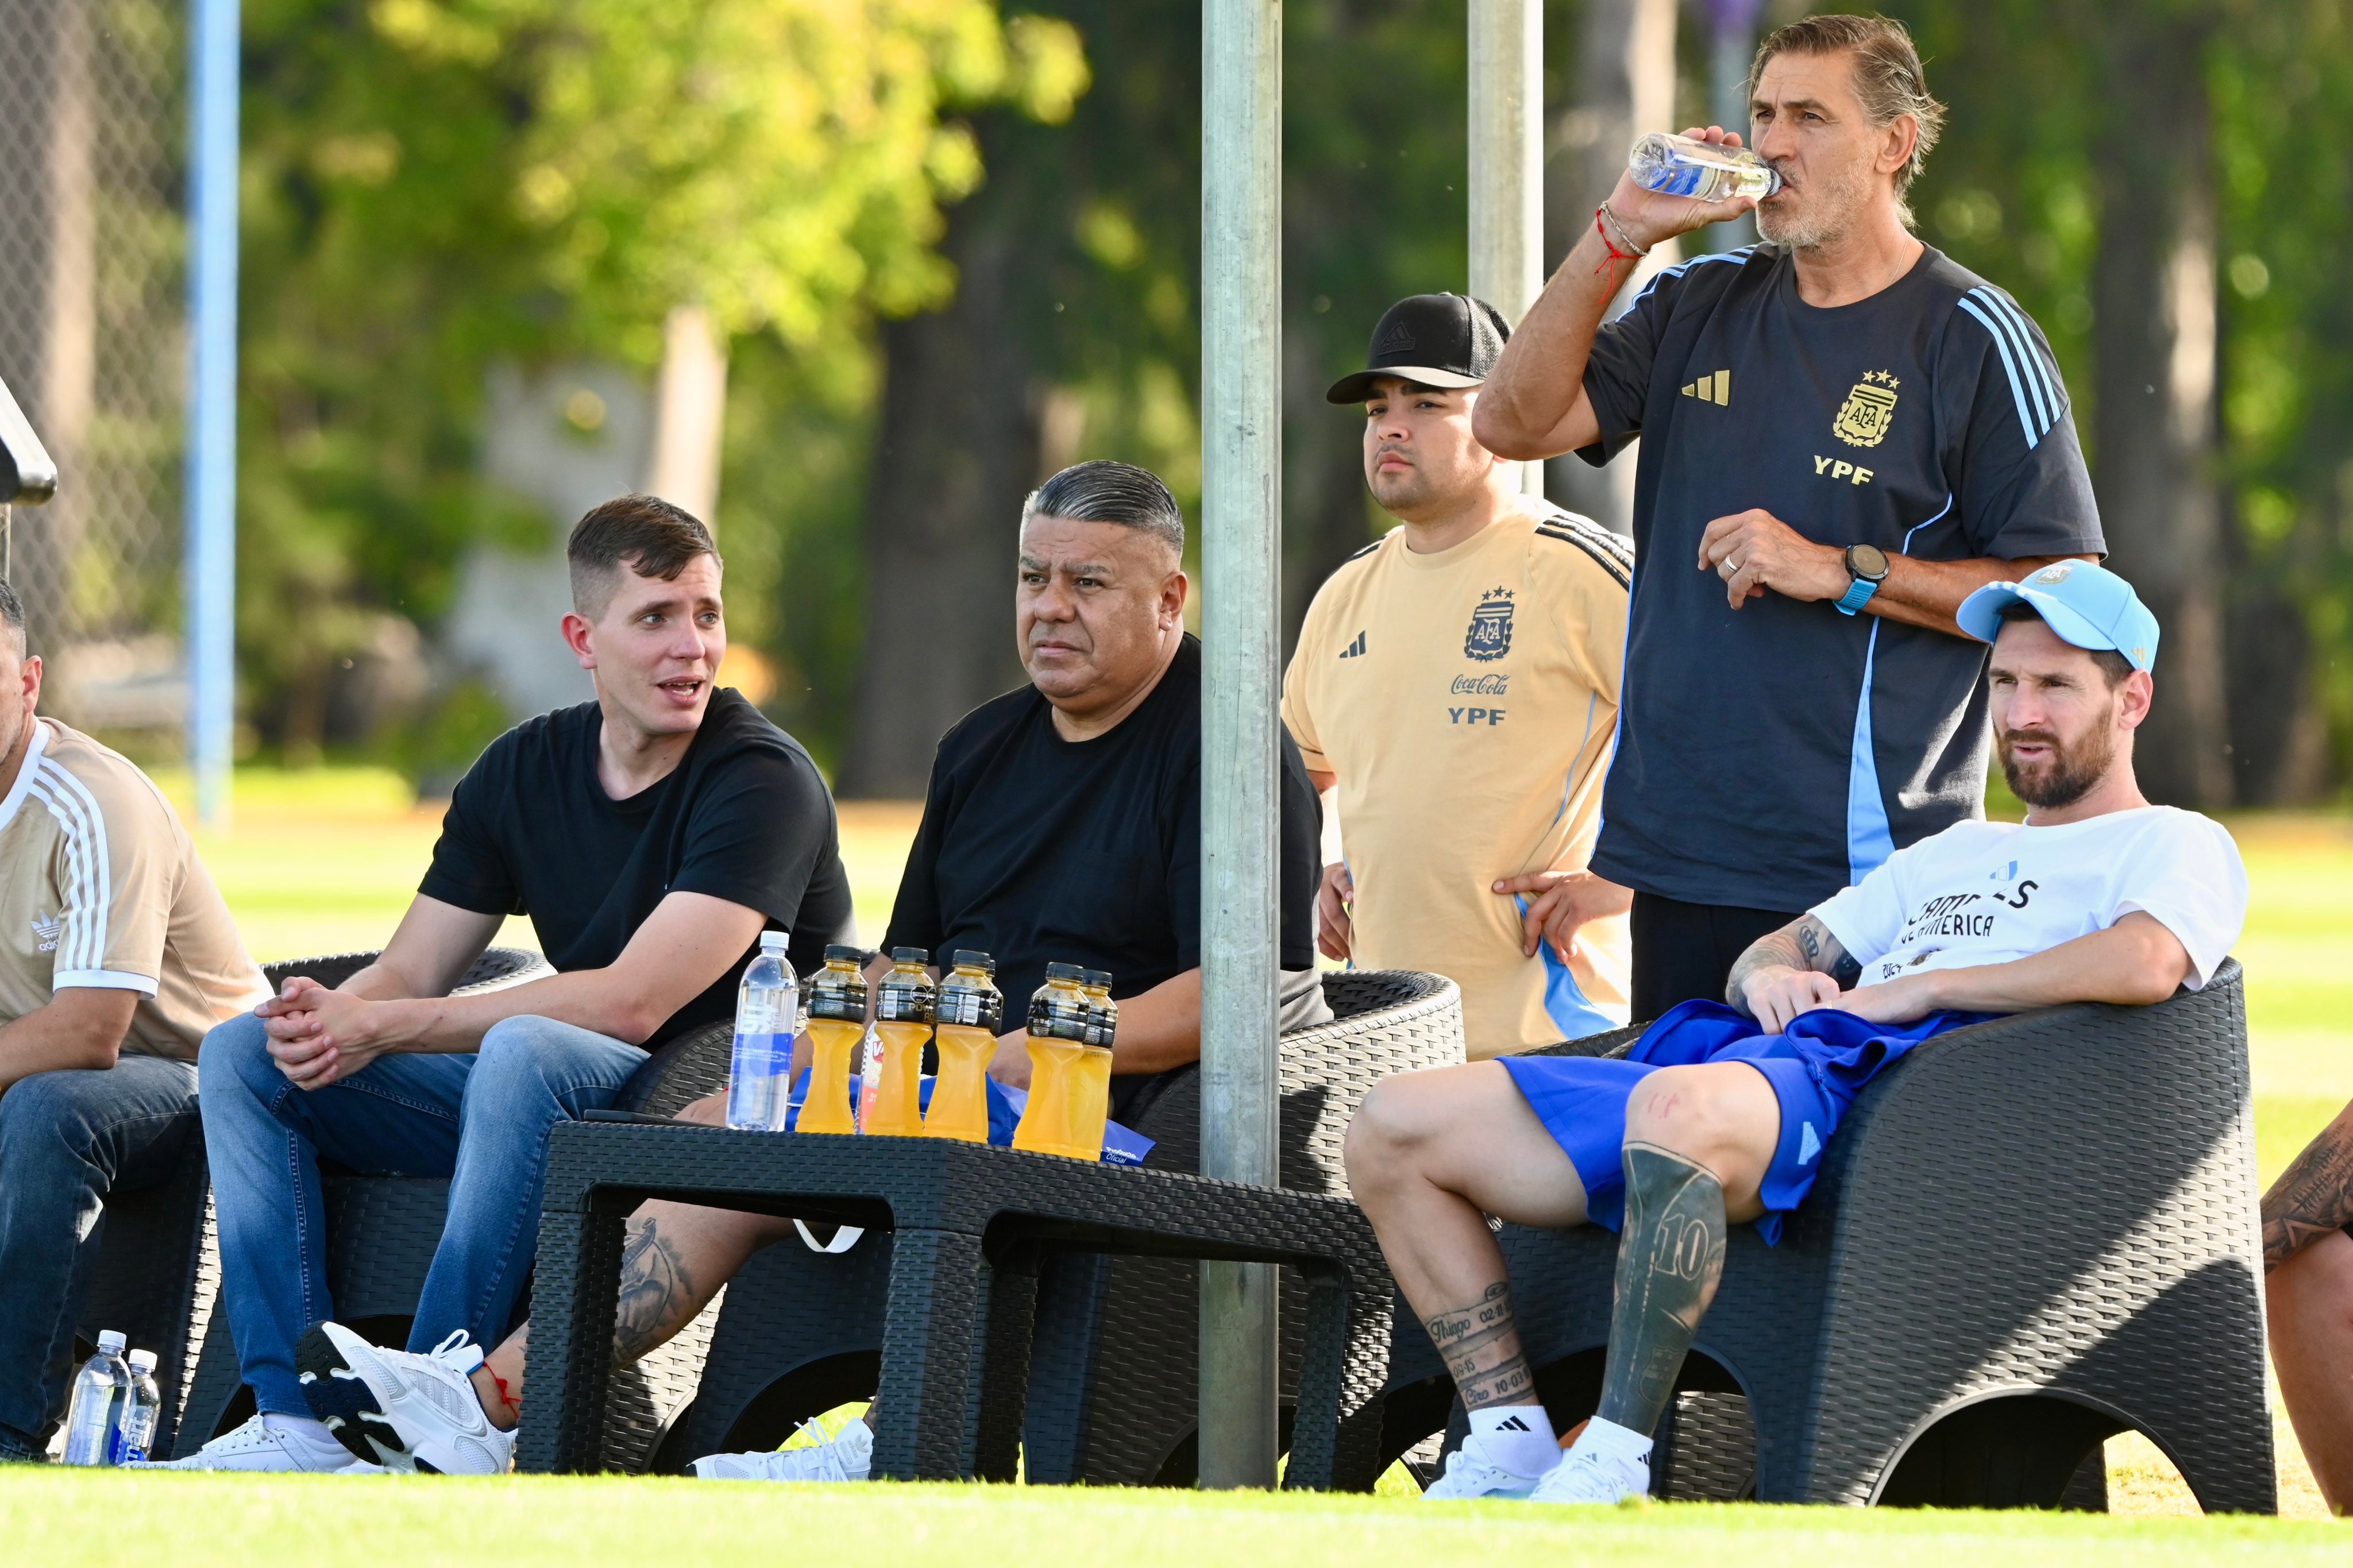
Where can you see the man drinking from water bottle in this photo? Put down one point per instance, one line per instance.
(1845, 434)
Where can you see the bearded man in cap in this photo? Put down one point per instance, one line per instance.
(1458, 681)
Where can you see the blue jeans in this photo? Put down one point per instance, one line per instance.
(67, 1140)
(481, 1121)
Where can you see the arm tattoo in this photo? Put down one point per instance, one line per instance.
(1805, 943)
(1480, 1346)
(656, 1294)
(1670, 1257)
(2312, 1196)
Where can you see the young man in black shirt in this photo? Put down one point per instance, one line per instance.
(651, 836)
(1063, 825)
(1843, 434)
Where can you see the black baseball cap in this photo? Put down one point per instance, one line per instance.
(1436, 340)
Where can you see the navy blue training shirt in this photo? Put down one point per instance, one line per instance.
(1769, 756)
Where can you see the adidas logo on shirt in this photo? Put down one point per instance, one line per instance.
(1715, 389)
(46, 928)
(1355, 649)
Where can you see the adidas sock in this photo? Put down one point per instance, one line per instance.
(308, 1432)
(1517, 1437)
(1611, 1441)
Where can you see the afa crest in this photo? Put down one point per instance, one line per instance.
(1864, 418)
(1490, 636)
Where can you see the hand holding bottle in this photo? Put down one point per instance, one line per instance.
(1647, 215)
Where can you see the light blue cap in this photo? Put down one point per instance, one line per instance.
(2082, 602)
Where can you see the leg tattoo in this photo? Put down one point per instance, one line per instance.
(1480, 1346)
(655, 1292)
(1670, 1257)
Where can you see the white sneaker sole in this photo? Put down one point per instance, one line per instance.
(355, 1394)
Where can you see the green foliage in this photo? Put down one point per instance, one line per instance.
(431, 186)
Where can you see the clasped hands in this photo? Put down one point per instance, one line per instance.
(1753, 551)
(1778, 994)
(317, 1036)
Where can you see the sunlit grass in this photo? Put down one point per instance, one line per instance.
(235, 1521)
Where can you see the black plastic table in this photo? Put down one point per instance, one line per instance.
(972, 1224)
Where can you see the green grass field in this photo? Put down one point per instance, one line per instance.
(324, 862)
(201, 1521)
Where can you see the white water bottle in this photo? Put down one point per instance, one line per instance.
(1704, 171)
(141, 1411)
(767, 1007)
(100, 1390)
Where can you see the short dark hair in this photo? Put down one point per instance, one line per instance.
(1104, 491)
(646, 533)
(11, 612)
(2112, 665)
(1888, 78)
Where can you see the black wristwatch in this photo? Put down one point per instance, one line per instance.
(1867, 564)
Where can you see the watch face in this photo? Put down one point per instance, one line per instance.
(1867, 561)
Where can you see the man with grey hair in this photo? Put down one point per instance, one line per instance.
(116, 956)
(1844, 435)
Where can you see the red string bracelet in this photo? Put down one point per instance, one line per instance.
(1616, 255)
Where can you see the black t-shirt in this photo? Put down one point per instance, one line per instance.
(744, 816)
(1037, 850)
(1769, 756)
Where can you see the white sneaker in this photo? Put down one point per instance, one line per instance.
(399, 1410)
(848, 1457)
(1469, 1476)
(256, 1447)
(1588, 1476)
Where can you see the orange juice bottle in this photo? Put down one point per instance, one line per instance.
(1091, 1110)
(837, 1022)
(971, 1016)
(1059, 1016)
(904, 1005)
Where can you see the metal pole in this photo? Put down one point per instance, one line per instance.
(1507, 163)
(1242, 496)
(211, 463)
(1731, 43)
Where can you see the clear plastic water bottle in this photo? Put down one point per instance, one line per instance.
(1704, 171)
(100, 1390)
(141, 1412)
(768, 1009)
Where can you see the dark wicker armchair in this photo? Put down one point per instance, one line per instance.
(382, 1231)
(2029, 1236)
(801, 1331)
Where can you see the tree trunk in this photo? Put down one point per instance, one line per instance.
(957, 450)
(1625, 87)
(2155, 421)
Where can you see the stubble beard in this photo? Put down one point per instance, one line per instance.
(1831, 204)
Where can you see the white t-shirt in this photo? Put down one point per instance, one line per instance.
(1989, 892)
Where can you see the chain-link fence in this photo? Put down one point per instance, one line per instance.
(92, 246)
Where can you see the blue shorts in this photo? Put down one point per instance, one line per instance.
(1816, 1070)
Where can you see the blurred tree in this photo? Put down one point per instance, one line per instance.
(1074, 334)
(2163, 184)
(433, 185)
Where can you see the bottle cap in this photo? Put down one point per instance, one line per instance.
(965, 958)
(843, 953)
(142, 1361)
(1063, 971)
(776, 940)
(111, 1341)
(910, 955)
(1099, 977)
